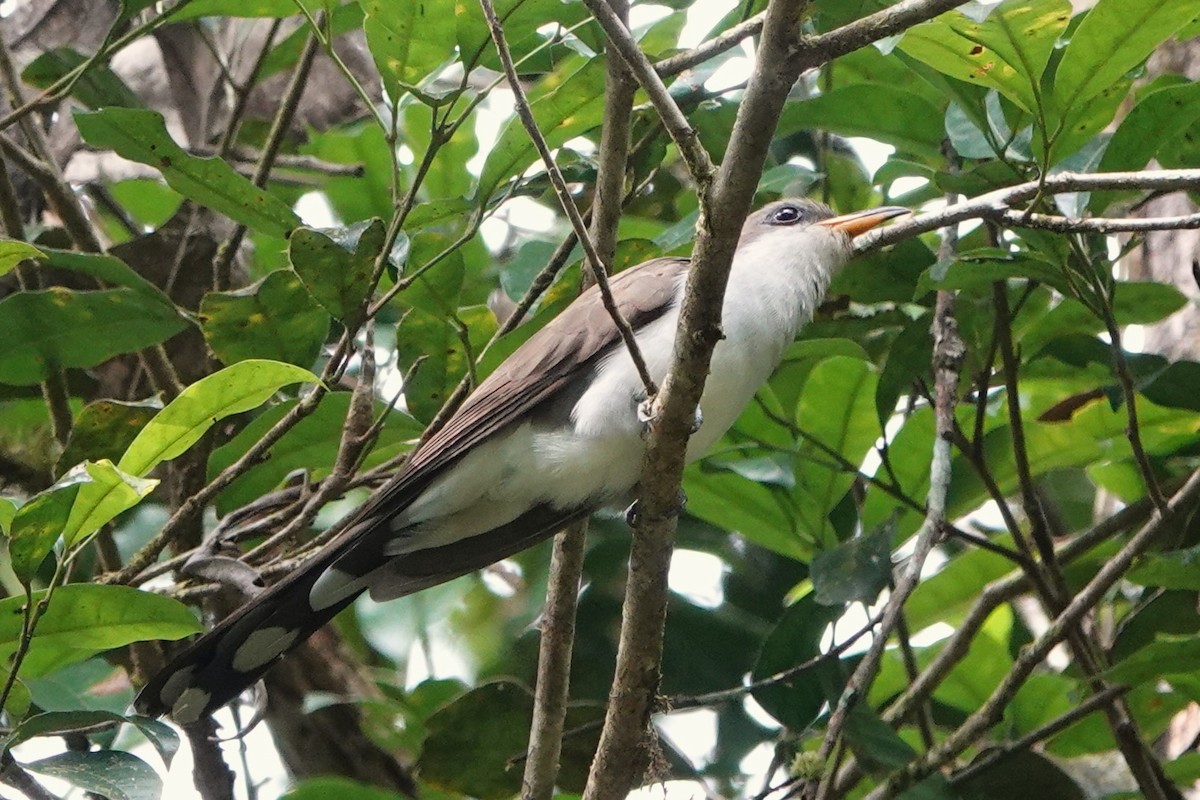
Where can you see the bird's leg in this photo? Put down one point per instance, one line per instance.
(631, 513)
(649, 410)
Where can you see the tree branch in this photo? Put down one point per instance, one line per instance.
(623, 751)
(598, 266)
(998, 204)
(1033, 654)
(948, 354)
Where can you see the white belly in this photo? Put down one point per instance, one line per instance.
(598, 458)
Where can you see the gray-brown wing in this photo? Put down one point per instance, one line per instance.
(568, 347)
(221, 664)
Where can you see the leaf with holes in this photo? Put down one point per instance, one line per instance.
(275, 318)
(141, 135)
(336, 266)
(1115, 37)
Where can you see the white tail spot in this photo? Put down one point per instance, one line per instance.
(191, 705)
(262, 646)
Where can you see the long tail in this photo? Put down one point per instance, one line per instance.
(230, 658)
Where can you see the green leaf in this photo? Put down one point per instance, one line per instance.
(1159, 117)
(795, 639)
(84, 619)
(109, 492)
(8, 510)
(1077, 128)
(19, 699)
(356, 197)
(909, 358)
(903, 119)
(903, 264)
(437, 341)
(1166, 655)
(976, 676)
(879, 749)
(1176, 569)
(1175, 386)
(409, 40)
(566, 103)
(977, 272)
(150, 202)
(311, 445)
(856, 570)
(836, 412)
(58, 722)
(37, 525)
(159, 734)
(277, 9)
(327, 788)
(60, 328)
(491, 723)
(337, 270)
(1008, 51)
(110, 773)
(1134, 303)
(98, 86)
(521, 20)
(438, 290)
(141, 136)
(908, 460)
(760, 513)
(108, 270)
(13, 252)
(1115, 37)
(237, 388)
(947, 594)
(1171, 612)
(104, 428)
(275, 318)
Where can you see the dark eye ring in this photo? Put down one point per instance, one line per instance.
(786, 215)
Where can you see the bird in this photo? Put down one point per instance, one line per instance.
(557, 431)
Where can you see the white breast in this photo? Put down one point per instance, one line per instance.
(598, 458)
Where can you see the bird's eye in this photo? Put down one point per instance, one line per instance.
(786, 215)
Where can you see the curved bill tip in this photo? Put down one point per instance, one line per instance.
(863, 221)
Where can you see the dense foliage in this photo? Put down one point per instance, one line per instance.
(172, 322)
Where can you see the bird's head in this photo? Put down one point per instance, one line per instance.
(798, 227)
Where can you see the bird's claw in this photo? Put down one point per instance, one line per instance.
(631, 513)
(650, 410)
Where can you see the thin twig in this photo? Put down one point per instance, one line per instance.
(681, 703)
(1129, 391)
(1033, 654)
(1051, 728)
(228, 250)
(623, 751)
(699, 163)
(1049, 222)
(997, 204)
(598, 266)
(557, 625)
(948, 354)
(727, 40)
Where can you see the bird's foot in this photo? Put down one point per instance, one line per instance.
(649, 411)
(631, 513)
